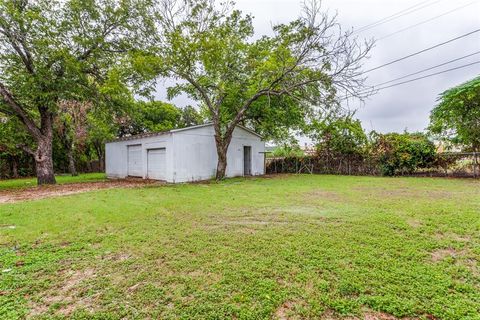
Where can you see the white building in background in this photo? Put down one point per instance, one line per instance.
(183, 155)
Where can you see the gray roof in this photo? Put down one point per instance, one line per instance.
(154, 134)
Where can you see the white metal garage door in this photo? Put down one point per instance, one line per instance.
(135, 160)
(156, 164)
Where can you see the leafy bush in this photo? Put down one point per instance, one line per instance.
(401, 153)
(342, 136)
(288, 150)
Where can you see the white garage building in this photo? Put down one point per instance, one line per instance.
(183, 155)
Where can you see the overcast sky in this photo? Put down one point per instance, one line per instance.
(406, 106)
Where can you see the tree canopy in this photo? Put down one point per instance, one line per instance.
(456, 118)
(342, 135)
(267, 82)
(53, 51)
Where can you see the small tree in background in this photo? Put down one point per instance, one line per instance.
(102, 127)
(72, 126)
(12, 133)
(155, 116)
(151, 116)
(456, 119)
(342, 136)
(400, 153)
(190, 117)
(288, 148)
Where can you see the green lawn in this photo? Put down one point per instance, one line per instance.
(306, 246)
(61, 179)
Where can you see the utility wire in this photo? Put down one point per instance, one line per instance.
(393, 15)
(397, 15)
(428, 20)
(422, 51)
(427, 69)
(416, 79)
(428, 75)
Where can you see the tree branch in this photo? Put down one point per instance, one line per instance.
(18, 110)
(24, 54)
(26, 149)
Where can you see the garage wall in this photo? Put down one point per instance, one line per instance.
(190, 154)
(116, 155)
(196, 154)
(240, 139)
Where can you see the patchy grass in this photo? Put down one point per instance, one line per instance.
(61, 179)
(294, 247)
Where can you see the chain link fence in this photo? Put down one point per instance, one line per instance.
(448, 164)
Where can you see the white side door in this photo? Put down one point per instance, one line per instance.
(157, 164)
(135, 160)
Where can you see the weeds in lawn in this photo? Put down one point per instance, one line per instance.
(297, 247)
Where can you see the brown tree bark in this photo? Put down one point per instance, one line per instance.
(44, 162)
(99, 150)
(222, 142)
(222, 162)
(71, 162)
(14, 167)
(43, 135)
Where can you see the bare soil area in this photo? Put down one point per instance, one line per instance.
(41, 192)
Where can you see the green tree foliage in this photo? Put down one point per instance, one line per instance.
(51, 51)
(456, 118)
(400, 153)
(71, 124)
(102, 126)
(190, 117)
(267, 82)
(150, 116)
(14, 162)
(156, 116)
(288, 150)
(394, 153)
(339, 136)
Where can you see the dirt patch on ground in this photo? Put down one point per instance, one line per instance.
(405, 192)
(286, 311)
(278, 175)
(68, 294)
(35, 193)
(248, 221)
(374, 315)
(414, 223)
(440, 254)
(282, 312)
(367, 315)
(453, 237)
(319, 194)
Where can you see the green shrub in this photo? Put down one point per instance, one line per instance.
(403, 153)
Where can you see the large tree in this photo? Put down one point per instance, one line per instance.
(456, 118)
(213, 54)
(52, 51)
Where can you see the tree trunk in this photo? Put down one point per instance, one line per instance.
(222, 161)
(100, 155)
(15, 167)
(44, 162)
(222, 142)
(71, 163)
(101, 163)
